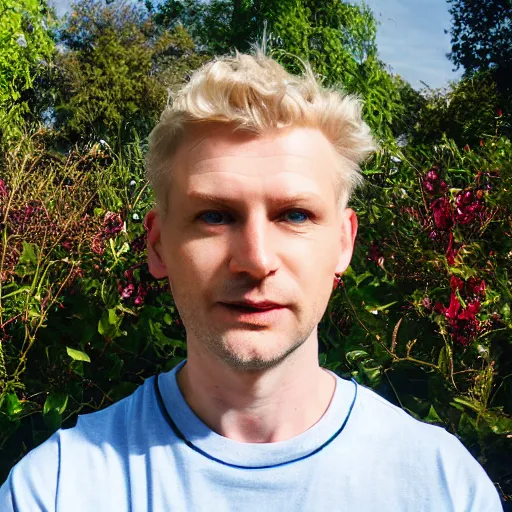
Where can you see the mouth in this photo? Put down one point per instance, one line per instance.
(241, 306)
(260, 315)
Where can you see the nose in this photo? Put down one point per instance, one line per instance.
(253, 248)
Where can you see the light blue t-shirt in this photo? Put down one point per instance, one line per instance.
(141, 455)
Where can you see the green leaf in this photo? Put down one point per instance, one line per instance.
(124, 248)
(104, 324)
(28, 254)
(432, 416)
(53, 420)
(471, 404)
(381, 308)
(499, 424)
(78, 355)
(57, 402)
(354, 355)
(112, 317)
(443, 362)
(13, 405)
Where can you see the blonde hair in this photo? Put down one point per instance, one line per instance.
(254, 92)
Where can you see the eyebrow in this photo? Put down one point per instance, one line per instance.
(297, 198)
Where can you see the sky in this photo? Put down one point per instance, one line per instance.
(410, 39)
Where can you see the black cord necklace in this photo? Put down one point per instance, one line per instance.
(181, 436)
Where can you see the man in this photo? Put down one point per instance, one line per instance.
(252, 169)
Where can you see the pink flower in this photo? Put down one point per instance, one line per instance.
(127, 291)
(374, 253)
(138, 244)
(3, 189)
(112, 224)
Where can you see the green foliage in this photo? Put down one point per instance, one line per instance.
(82, 322)
(481, 34)
(218, 26)
(482, 42)
(337, 38)
(109, 71)
(423, 314)
(465, 112)
(25, 48)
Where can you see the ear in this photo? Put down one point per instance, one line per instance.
(347, 239)
(156, 264)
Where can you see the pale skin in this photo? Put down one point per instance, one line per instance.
(253, 380)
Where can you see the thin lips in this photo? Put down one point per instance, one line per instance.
(257, 305)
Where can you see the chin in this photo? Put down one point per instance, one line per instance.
(255, 358)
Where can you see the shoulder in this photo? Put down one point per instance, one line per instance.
(99, 441)
(423, 451)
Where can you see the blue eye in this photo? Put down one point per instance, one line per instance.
(299, 213)
(212, 217)
(216, 218)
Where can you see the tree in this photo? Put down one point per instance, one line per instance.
(25, 48)
(110, 69)
(218, 25)
(482, 38)
(465, 112)
(336, 37)
(481, 33)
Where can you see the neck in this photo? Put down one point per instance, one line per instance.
(257, 407)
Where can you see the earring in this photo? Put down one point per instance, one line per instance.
(337, 280)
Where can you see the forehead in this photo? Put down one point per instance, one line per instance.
(215, 157)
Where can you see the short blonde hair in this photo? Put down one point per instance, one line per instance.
(255, 93)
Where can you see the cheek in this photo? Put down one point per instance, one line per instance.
(193, 261)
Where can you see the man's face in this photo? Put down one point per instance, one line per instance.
(251, 219)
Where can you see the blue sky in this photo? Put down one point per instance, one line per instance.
(410, 38)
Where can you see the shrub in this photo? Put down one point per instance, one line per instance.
(423, 314)
(82, 322)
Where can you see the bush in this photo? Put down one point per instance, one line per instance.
(75, 288)
(424, 313)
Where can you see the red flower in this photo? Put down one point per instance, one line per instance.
(463, 325)
(499, 112)
(375, 254)
(442, 213)
(456, 283)
(475, 288)
(470, 312)
(454, 307)
(112, 224)
(432, 181)
(450, 251)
